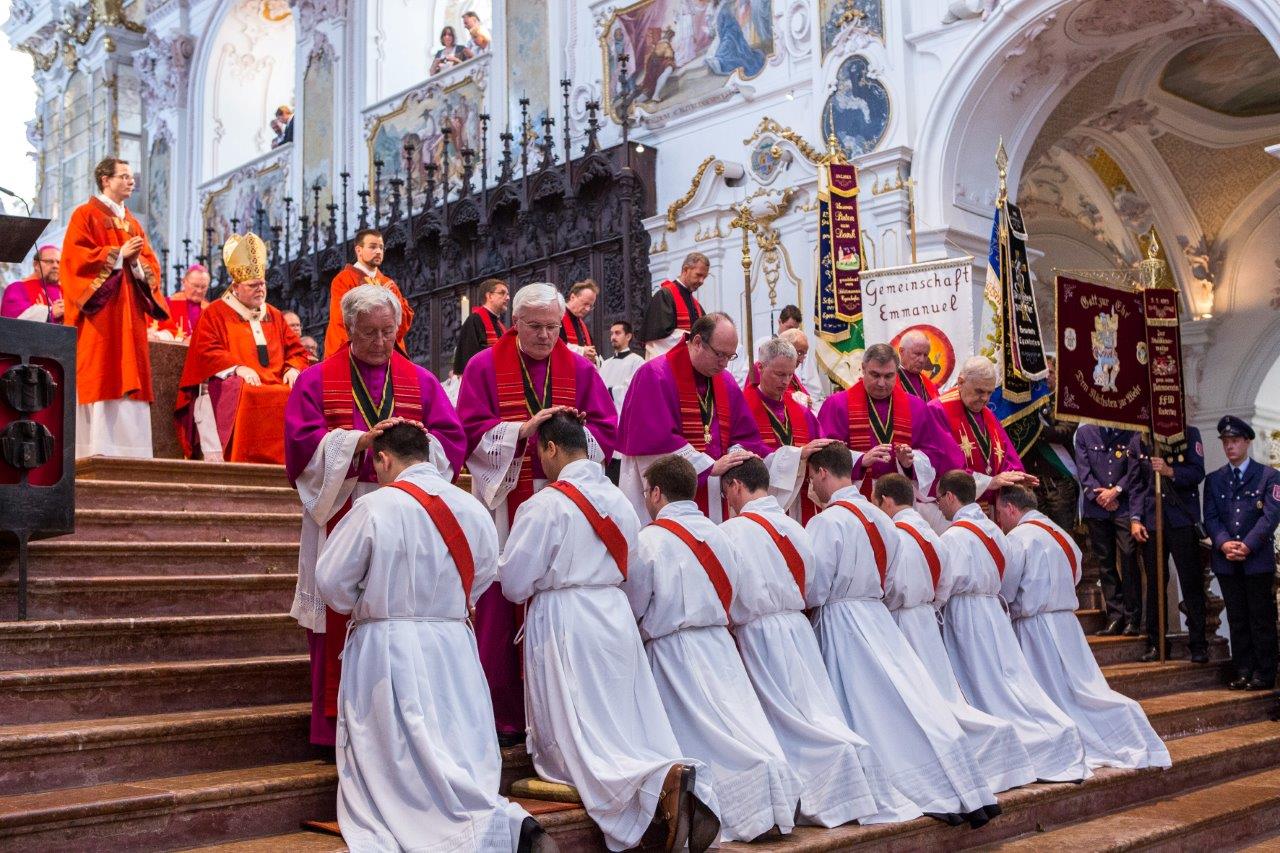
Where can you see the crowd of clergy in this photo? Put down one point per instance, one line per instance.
(714, 605)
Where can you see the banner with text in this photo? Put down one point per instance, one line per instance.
(934, 298)
(838, 295)
(1164, 357)
(1102, 355)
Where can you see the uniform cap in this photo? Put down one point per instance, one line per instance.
(1230, 426)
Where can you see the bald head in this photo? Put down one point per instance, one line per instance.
(976, 382)
(797, 339)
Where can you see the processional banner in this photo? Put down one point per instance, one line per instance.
(934, 298)
(838, 300)
(1164, 355)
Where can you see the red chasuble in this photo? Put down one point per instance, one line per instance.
(982, 444)
(493, 328)
(254, 415)
(685, 318)
(111, 309)
(695, 426)
(864, 434)
(793, 432)
(515, 407)
(574, 331)
(182, 318)
(339, 413)
(335, 334)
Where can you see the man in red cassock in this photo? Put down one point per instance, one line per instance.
(113, 289)
(247, 358)
(367, 269)
(185, 306)
(673, 309)
(573, 328)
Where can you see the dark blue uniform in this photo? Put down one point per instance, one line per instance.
(1102, 462)
(1247, 509)
(1181, 502)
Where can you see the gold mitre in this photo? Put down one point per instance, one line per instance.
(245, 257)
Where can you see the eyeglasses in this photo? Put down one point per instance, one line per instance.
(725, 357)
(542, 328)
(126, 177)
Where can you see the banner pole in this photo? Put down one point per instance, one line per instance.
(743, 220)
(911, 215)
(1162, 605)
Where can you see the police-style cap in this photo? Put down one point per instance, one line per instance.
(1232, 427)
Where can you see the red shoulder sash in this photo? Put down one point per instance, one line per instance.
(992, 548)
(795, 563)
(873, 534)
(338, 399)
(447, 523)
(493, 328)
(569, 330)
(926, 548)
(992, 462)
(687, 393)
(684, 318)
(706, 558)
(795, 413)
(1062, 543)
(604, 526)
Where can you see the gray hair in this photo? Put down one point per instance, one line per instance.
(538, 294)
(365, 298)
(915, 336)
(794, 336)
(774, 348)
(978, 367)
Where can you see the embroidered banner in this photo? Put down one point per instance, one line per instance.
(1164, 361)
(1102, 355)
(933, 298)
(838, 299)
(1023, 348)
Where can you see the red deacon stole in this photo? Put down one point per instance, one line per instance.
(983, 453)
(794, 432)
(990, 544)
(515, 407)
(1062, 543)
(493, 328)
(574, 331)
(604, 526)
(873, 535)
(688, 309)
(450, 530)
(706, 558)
(795, 563)
(864, 434)
(926, 548)
(338, 401)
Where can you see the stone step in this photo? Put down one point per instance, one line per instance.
(293, 842)
(1122, 649)
(180, 471)
(1177, 715)
(92, 692)
(168, 595)
(173, 812)
(1197, 760)
(84, 642)
(1143, 680)
(63, 558)
(184, 497)
(1209, 818)
(149, 525)
(1091, 621)
(74, 753)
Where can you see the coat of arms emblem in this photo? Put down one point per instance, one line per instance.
(1106, 331)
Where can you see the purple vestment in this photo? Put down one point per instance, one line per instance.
(650, 424)
(495, 622)
(930, 434)
(21, 295)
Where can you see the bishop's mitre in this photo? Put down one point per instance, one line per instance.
(245, 257)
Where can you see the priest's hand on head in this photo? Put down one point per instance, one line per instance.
(366, 440)
(732, 459)
(131, 247)
(813, 447)
(530, 426)
(249, 375)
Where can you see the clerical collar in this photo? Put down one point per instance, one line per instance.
(360, 266)
(116, 207)
(259, 314)
(623, 354)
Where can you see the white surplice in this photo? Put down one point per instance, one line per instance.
(985, 655)
(909, 596)
(1041, 590)
(418, 759)
(786, 478)
(617, 372)
(494, 467)
(114, 428)
(841, 777)
(596, 721)
(709, 699)
(324, 487)
(883, 688)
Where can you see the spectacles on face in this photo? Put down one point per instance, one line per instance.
(128, 178)
(542, 328)
(376, 334)
(720, 356)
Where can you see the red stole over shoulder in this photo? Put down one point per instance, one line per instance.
(862, 438)
(514, 408)
(574, 331)
(768, 434)
(338, 402)
(493, 328)
(991, 462)
(684, 317)
(927, 390)
(691, 427)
